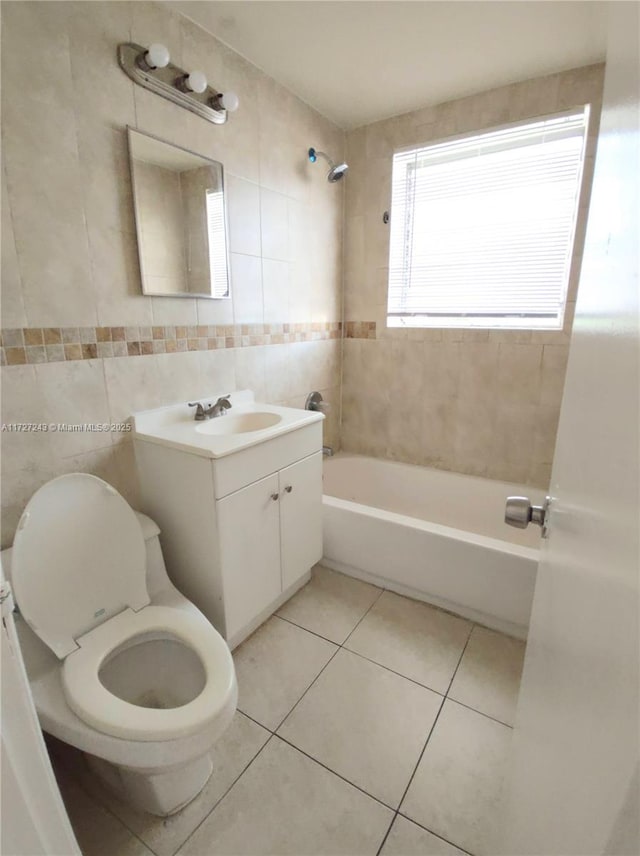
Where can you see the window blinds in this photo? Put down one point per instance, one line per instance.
(482, 227)
(217, 243)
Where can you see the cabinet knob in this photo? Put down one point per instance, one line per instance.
(275, 496)
(288, 488)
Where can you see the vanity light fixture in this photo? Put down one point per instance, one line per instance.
(152, 68)
(156, 57)
(194, 82)
(228, 101)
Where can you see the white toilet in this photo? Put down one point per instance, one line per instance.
(121, 665)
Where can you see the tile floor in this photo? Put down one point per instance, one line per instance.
(367, 723)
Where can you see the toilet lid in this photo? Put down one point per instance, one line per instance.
(79, 558)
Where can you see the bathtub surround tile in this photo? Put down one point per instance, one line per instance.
(331, 604)
(416, 640)
(349, 721)
(408, 839)
(275, 667)
(274, 225)
(285, 805)
(488, 677)
(457, 789)
(478, 371)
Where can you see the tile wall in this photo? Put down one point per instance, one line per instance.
(479, 402)
(70, 273)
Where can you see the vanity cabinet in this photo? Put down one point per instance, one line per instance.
(239, 533)
(269, 538)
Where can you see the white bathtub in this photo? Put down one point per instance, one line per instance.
(432, 535)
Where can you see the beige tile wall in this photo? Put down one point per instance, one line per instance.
(69, 254)
(478, 402)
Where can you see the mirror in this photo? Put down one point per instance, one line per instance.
(180, 220)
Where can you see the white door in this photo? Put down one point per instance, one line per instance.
(249, 530)
(573, 788)
(300, 517)
(34, 820)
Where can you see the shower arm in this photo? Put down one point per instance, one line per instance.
(318, 153)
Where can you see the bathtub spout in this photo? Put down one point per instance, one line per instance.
(328, 451)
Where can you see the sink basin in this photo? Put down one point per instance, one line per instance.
(248, 423)
(242, 423)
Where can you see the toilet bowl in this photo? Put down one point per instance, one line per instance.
(121, 665)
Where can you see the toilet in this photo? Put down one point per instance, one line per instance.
(120, 664)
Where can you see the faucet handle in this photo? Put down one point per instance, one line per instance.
(199, 409)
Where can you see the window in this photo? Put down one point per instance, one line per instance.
(482, 227)
(217, 243)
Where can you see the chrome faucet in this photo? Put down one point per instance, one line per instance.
(218, 409)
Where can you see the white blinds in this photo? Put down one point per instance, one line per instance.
(217, 243)
(482, 227)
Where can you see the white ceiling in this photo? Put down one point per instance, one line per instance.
(357, 62)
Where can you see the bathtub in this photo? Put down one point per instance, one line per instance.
(432, 535)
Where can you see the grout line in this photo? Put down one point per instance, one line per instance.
(280, 724)
(382, 591)
(431, 730)
(232, 785)
(455, 671)
(386, 835)
(479, 712)
(313, 632)
(338, 648)
(256, 721)
(333, 772)
(394, 672)
(431, 832)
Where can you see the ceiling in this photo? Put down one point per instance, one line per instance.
(357, 62)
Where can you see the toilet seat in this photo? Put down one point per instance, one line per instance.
(98, 707)
(79, 575)
(79, 558)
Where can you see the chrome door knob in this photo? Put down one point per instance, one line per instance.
(519, 512)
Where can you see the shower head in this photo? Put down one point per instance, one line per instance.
(336, 171)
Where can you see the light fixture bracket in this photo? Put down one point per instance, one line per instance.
(164, 82)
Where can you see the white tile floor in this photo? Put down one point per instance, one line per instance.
(368, 723)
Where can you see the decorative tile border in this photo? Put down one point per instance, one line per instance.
(360, 330)
(30, 345)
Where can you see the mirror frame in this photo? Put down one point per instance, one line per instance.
(192, 295)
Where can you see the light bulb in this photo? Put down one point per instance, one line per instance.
(157, 56)
(196, 82)
(229, 101)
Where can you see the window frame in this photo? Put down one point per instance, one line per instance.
(396, 319)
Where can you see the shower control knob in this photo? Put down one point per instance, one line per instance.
(519, 512)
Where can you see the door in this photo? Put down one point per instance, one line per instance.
(34, 820)
(300, 517)
(573, 787)
(249, 532)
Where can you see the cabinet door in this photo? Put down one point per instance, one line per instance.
(248, 529)
(300, 517)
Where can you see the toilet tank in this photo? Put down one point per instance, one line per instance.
(158, 581)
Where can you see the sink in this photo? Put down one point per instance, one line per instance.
(248, 423)
(240, 424)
